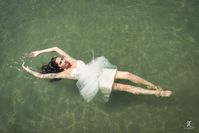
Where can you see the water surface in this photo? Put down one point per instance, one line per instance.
(155, 39)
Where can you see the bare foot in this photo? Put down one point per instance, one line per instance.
(154, 87)
(151, 87)
(163, 93)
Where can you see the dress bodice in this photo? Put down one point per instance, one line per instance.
(74, 73)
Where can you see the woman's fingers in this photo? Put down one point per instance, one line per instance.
(23, 64)
(33, 54)
(24, 67)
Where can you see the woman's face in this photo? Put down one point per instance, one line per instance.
(62, 62)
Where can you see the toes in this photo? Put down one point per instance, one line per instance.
(167, 93)
(163, 93)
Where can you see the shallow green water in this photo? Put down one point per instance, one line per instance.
(155, 39)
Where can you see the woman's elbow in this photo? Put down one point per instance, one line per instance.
(40, 76)
(57, 48)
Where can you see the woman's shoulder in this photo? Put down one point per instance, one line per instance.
(80, 61)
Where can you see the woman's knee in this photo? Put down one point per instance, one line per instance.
(127, 74)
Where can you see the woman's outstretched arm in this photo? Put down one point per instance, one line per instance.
(46, 76)
(53, 49)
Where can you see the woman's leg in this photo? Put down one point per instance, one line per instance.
(133, 78)
(139, 90)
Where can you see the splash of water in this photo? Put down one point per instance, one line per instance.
(17, 64)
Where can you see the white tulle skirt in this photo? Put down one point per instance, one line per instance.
(95, 79)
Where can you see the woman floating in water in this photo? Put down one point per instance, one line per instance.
(95, 79)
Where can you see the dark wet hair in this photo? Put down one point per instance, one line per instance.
(51, 67)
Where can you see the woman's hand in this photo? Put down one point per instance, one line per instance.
(36, 74)
(25, 68)
(34, 53)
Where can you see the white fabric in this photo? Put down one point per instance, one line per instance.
(74, 72)
(97, 75)
(106, 81)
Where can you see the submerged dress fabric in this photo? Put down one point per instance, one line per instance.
(95, 79)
